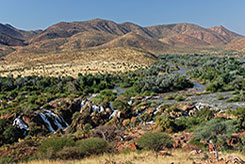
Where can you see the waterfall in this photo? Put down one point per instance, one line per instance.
(19, 123)
(157, 109)
(113, 114)
(46, 121)
(58, 121)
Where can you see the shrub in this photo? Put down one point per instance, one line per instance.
(121, 105)
(187, 123)
(49, 147)
(221, 97)
(235, 98)
(166, 123)
(92, 146)
(68, 153)
(12, 134)
(6, 159)
(154, 141)
(179, 98)
(216, 131)
(205, 114)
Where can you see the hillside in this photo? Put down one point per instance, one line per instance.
(237, 45)
(61, 43)
(99, 33)
(71, 63)
(11, 36)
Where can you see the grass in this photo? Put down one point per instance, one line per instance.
(71, 63)
(178, 157)
(130, 158)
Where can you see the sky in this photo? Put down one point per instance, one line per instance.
(40, 14)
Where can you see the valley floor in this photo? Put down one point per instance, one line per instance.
(176, 157)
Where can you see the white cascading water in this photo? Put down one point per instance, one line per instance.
(46, 121)
(58, 121)
(113, 114)
(19, 123)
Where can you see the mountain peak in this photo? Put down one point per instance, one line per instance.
(224, 31)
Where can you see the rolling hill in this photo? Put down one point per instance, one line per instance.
(11, 36)
(97, 41)
(99, 33)
(237, 45)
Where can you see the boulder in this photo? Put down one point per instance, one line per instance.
(164, 153)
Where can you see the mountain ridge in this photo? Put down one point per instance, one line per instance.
(100, 33)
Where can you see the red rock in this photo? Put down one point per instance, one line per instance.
(164, 153)
(9, 116)
(132, 146)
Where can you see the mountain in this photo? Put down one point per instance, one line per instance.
(99, 34)
(193, 34)
(138, 41)
(11, 36)
(237, 45)
(228, 35)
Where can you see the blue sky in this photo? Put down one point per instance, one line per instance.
(39, 14)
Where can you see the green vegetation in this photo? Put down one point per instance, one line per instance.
(90, 117)
(155, 141)
(66, 148)
(50, 147)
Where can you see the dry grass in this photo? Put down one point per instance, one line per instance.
(71, 63)
(178, 157)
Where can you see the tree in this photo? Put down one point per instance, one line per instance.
(166, 123)
(92, 146)
(12, 134)
(154, 141)
(240, 114)
(216, 131)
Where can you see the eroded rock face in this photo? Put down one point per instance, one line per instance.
(66, 107)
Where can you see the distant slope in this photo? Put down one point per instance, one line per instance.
(98, 34)
(227, 34)
(65, 30)
(177, 33)
(11, 36)
(237, 45)
(138, 41)
(71, 63)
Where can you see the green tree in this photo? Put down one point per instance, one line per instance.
(91, 146)
(12, 134)
(49, 147)
(166, 123)
(154, 141)
(216, 131)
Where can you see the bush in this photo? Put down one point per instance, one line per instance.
(205, 114)
(6, 159)
(221, 97)
(154, 141)
(235, 98)
(179, 98)
(187, 123)
(51, 146)
(91, 146)
(68, 153)
(216, 132)
(166, 123)
(121, 105)
(12, 134)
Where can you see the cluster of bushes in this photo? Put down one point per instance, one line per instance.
(29, 93)
(220, 73)
(104, 97)
(67, 148)
(164, 83)
(191, 123)
(9, 133)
